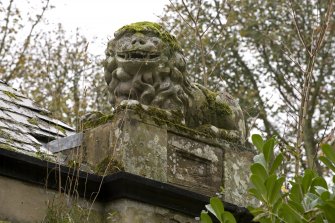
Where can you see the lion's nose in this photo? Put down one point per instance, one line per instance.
(138, 40)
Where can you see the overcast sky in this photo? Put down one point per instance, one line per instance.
(101, 18)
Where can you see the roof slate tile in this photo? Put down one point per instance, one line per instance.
(25, 127)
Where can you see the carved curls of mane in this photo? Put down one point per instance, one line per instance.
(169, 89)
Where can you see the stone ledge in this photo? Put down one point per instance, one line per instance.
(113, 187)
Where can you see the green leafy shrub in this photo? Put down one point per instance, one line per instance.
(308, 197)
(216, 208)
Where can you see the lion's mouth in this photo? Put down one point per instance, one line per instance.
(138, 55)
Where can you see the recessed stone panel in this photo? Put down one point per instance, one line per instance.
(182, 167)
(194, 165)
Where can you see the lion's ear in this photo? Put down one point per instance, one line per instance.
(109, 66)
(110, 48)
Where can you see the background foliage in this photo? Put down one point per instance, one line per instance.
(50, 65)
(262, 52)
(306, 198)
(276, 56)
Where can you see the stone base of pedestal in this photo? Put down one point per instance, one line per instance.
(128, 211)
(35, 190)
(141, 143)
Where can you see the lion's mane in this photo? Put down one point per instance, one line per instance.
(166, 86)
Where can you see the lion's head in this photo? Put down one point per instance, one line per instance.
(145, 63)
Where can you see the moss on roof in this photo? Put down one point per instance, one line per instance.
(11, 95)
(25, 127)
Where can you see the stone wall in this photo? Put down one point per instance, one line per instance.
(138, 142)
(128, 211)
(22, 202)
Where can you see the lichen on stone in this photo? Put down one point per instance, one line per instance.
(108, 166)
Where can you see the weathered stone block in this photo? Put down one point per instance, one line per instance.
(236, 176)
(140, 148)
(144, 149)
(147, 146)
(26, 203)
(194, 165)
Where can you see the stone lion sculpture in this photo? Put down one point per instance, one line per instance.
(145, 63)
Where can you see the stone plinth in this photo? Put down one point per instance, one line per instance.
(35, 190)
(146, 141)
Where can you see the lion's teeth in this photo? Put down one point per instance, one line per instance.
(138, 55)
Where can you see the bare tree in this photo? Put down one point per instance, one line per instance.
(275, 56)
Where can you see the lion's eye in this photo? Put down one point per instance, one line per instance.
(155, 41)
(128, 34)
(109, 52)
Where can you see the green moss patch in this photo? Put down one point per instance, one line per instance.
(5, 135)
(11, 95)
(206, 129)
(7, 147)
(74, 164)
(33, 121)
(156, 28)
(43, 156)
(161, 117)
(96, 119)
(218, 109)
(61, 129)
(229, 135)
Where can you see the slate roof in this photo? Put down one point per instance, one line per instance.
(25, 127)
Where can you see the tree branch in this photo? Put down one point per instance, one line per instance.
(9, 8)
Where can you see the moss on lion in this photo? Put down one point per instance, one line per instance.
(151, 27)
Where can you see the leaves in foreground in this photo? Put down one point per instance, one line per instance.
(307, 198)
